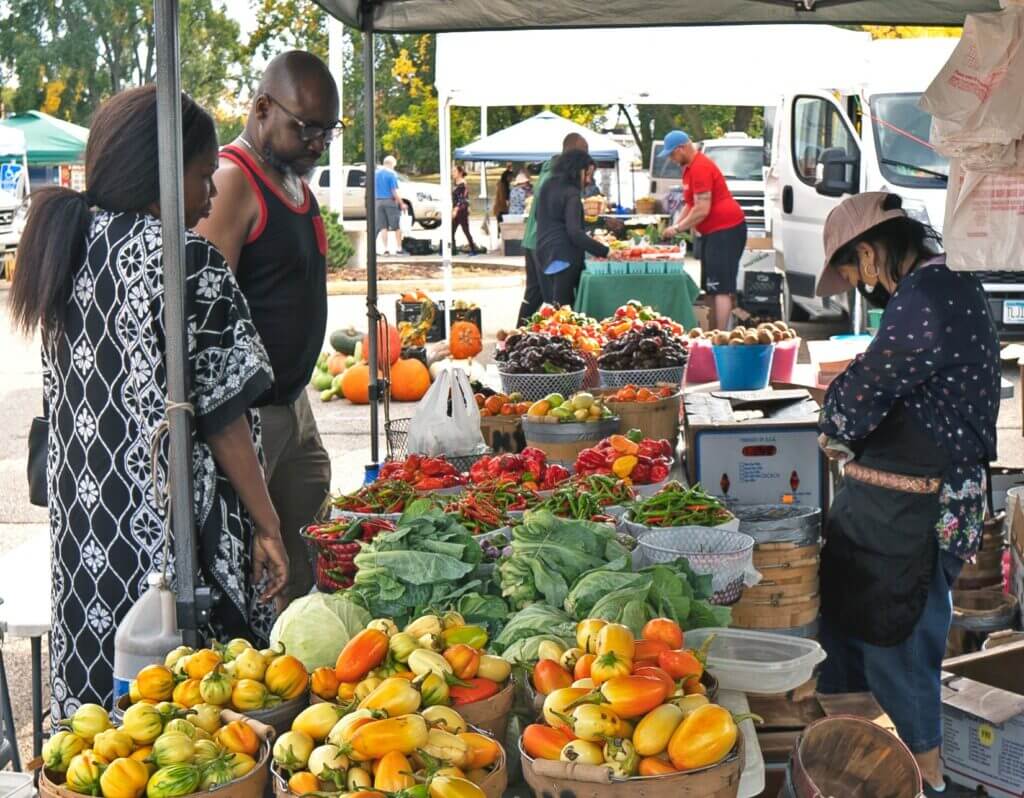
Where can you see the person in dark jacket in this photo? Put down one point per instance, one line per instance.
(561, 242)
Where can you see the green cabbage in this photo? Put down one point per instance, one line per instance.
(316, 627)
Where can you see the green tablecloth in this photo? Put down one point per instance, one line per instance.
(671, 295)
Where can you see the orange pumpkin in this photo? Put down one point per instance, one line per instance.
(388, 341)
(355, 384)
(336, 364)
(465, 340)
(410, 380)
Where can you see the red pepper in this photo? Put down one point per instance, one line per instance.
(477, 690)
(641, 474)
(659, 472)
(430, 483)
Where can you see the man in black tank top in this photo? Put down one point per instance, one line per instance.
(267, 224)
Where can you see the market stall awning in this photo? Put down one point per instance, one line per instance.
(12, 142)
(537, 139)
(747, 65)
(398, 16)
(50, 141)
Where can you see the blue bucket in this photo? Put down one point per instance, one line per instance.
(851, 338)
(745, 367)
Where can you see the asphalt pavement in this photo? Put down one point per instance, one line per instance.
(344, 429)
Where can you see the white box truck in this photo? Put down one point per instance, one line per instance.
(825, 146)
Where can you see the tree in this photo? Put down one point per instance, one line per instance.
(69, 55)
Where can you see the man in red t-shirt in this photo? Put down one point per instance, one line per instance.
(709, 208)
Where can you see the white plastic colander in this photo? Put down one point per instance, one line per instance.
(727, 556)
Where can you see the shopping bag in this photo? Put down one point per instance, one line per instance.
(447, 420)
(405, 223)
(984, 226)
(980, 90)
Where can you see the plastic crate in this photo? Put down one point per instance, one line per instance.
(597, 266)
(673, 267)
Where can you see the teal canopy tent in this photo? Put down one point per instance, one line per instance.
(49, 141)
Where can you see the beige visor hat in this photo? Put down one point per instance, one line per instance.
(849, 220)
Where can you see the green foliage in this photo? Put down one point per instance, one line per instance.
(339, 245)
(67, 56)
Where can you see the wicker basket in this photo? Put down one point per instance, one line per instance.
(594, 206)
(535, 387)
(672, 375)
(278, 718)
(646, 205)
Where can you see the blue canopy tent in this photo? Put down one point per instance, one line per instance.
(537, 139)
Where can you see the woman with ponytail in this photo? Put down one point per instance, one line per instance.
(90, 279)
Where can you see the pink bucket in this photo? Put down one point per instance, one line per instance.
(786, 353)
(701, 364)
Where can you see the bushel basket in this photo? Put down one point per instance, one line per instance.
(278, 718)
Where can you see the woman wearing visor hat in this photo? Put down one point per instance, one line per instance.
(914, 420)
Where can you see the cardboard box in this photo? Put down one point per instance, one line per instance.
(756, 447)
(983, 720)
(760, 242)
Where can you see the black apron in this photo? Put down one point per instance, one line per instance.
(881, 545)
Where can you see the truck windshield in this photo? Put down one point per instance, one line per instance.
(738, 163)
(902, 133)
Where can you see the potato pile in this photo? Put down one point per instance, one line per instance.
(770, 332)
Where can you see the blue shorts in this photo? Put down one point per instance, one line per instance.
(903, 678)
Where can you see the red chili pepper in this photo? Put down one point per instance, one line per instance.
(477, 690)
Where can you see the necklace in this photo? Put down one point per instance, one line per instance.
(294, 194)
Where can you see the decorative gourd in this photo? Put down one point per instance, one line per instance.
(336, 364)
(345, 341)
(410, 380)
(465, 340)
(388, 340)
(355, 384)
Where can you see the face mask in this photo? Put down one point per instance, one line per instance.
(877, 295)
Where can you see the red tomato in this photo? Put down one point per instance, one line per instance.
(664, 629)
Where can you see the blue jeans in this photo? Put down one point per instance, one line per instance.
(903, 678)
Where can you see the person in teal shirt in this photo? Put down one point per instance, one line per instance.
(533, 296)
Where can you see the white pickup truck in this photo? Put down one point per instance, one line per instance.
(827, 145)
(422, 200)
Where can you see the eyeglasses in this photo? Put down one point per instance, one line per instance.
(308, 132)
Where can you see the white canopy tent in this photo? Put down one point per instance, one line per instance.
(13, 162)
(537, 139)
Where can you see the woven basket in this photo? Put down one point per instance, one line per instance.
(535, 387)
(593, 206)
(672, 375)
(646, 205)
(727, 556)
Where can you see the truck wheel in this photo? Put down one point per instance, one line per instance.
(430, 224)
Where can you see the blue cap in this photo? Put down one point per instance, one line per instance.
(675, 138)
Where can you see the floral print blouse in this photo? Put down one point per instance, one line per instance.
(937, 353)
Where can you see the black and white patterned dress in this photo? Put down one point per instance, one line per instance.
(105, 381)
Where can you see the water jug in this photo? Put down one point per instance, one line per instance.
(148, 632)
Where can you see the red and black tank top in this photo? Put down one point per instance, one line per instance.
(282, 270)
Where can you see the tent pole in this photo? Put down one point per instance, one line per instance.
(444, 130)
(336, 62)
(372, 314)
(172, 218)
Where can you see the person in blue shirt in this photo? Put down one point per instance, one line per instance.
(388, 203)
(913, 420)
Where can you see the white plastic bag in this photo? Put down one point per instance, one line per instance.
(984, 227)
(980, 90)
(405, 223)
(447, 420)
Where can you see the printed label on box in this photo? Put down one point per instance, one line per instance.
(980, 754)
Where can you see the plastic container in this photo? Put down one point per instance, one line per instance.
(700, 367)
(784, 360)
(15, 785)
(779, 523)
(758, 662)
(148, 631)
(743, 368)
(727, 556)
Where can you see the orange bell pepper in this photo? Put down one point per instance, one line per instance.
(704, 738)
(623, 445)
(543, 742)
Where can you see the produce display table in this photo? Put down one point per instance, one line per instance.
(599, 295)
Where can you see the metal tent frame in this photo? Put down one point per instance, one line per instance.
(423, 16)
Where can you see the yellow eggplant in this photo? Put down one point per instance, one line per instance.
(474, 636)
(618, 638)
(155, 682)
(431, 643)
(385, 625)
(497, 669)
(234, 648)
(549, 649)
(582, 752)
(173, 749)
(421, 662)
(215, 774)
(585, 683)
(558, 701)
(187, 693)
(367, 686)
(424, 625)
(405, 733)
(241, 764)
(620, 754)
(434, 690)
(452, 619)
(124, 778)
(292, 750)
(447, 747)
(216, 688)
(401, 646)
(60, 749)
(445, 718)
(88, 721)
(250, 664)
(358, 779)
(570, 657)
(172, 658)
(328, 764)
(656, 728)
(286, 677)
(317, 720)
(169, 710)
(173, 781)
(201, 663)
(181, 726)
(587, 632)
(396, 696)
(394, 773)
(143, 723)
(112, 744)
(134, 696)
(205, 717)
(206, 751)
(249, 695)
(145, 756)
(593, 722)
(690, 703)
(341, 734)
(84, 771)
(453, 787)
